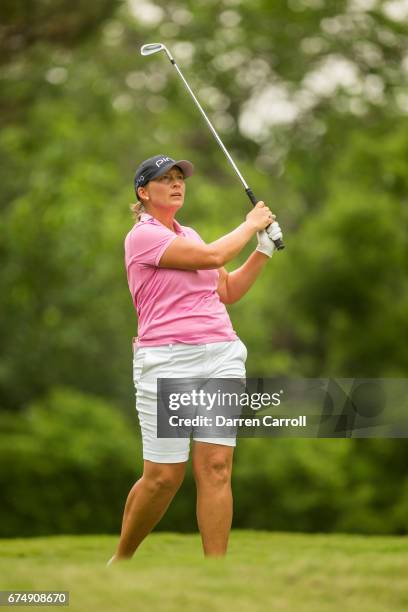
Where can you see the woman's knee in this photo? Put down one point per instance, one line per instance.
(163, 476)
(214, 470)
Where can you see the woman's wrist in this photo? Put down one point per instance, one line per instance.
(251, 226)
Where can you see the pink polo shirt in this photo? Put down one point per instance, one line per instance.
(173, 306)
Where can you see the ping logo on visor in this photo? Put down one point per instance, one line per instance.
(156, 166)
(163, 160)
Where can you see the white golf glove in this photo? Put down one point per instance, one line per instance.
(266, 238)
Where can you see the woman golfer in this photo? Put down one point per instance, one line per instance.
(179, 288)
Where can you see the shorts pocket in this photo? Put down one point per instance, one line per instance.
(139, 360)
(244, 350)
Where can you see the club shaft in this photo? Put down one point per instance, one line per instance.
(156, 47)
(210, 125)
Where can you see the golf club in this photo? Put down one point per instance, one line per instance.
(152, 48)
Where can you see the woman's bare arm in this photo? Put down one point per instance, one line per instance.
(233, 285)
(187, 254)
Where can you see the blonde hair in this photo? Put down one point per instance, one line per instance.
(137, 209)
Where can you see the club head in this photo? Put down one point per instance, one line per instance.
(151, 48)
(155, 48)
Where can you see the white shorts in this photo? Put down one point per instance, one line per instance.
(214, 360)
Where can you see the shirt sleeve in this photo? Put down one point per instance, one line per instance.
(191, 233)
(148, 243)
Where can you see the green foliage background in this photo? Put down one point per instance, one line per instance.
(311, 99)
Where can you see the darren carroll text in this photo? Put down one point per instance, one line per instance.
(220, 421)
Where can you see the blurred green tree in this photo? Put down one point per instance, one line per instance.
(310, 97)
(66, 24)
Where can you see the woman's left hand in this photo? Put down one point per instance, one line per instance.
(274, 230)
(266, 238)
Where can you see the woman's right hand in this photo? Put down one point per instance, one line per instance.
(260, 217)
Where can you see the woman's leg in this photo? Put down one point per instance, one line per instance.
(212, 466)
(147, 502)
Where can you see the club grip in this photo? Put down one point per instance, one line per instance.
(278, 243)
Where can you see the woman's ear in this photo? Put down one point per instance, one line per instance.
(141, 193)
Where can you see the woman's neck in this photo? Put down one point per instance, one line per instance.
(166, 217)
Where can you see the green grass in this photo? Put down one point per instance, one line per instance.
(262, 571)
